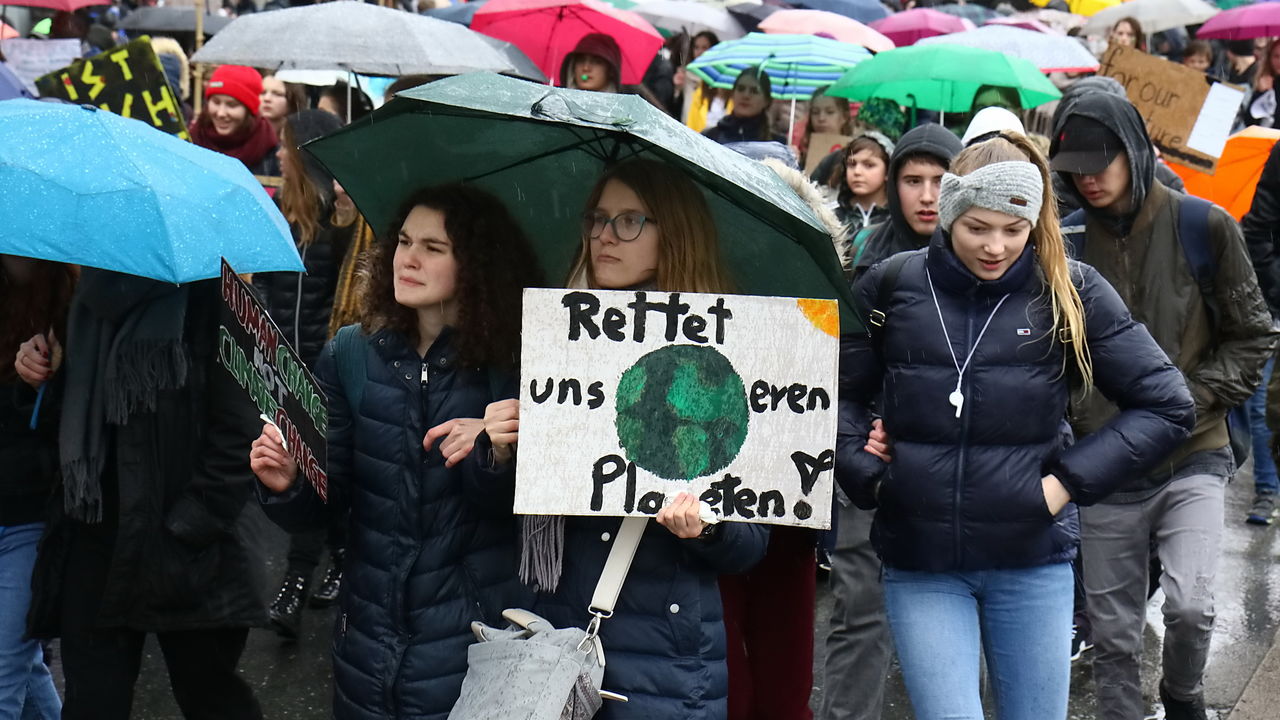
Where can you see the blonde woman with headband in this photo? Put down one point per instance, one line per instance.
(978, 341)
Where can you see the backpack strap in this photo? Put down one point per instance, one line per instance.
(1197, 248)
(884, 290)
(1073, 233)
(349, 353)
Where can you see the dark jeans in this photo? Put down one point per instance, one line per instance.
(305, 547)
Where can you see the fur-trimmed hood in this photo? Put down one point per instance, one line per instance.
(168, 47)
(812, 194)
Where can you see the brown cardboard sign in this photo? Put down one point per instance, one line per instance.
(822, 145)
(1169, 96)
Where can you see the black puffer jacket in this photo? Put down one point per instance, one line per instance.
(965, 493)
(431, 548)
(29, 457)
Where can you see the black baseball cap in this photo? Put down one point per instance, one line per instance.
(1085, 146)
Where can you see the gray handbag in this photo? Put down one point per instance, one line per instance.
(534, 671)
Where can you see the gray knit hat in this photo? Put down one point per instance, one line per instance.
(1015, 188)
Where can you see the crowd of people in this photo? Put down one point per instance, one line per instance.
(1036, 427)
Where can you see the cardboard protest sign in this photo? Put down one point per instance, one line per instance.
(126, 80)
(254, 351)
(1172, 99)
(822, 145)
(29, 59)
(630, 397)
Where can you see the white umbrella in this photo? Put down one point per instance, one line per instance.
(1154, 15)
(1049, 53)
(353, 36)
(691, 17)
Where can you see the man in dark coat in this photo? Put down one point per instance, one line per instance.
(154, 456)
(915, 175)
(1262, 233)
(1220, 343)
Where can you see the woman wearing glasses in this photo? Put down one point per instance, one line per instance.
(646, 227)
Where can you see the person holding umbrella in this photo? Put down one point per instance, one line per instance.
(748, 121)
(301, 304)
(431, 534)
(975, 521)
(231, 122)
(646, 226)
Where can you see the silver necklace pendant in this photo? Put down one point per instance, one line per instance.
(956, 398)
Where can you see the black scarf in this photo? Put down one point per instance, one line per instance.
(124, 345)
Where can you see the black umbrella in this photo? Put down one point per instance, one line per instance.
(171, 19)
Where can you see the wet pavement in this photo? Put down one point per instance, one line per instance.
(292, 679)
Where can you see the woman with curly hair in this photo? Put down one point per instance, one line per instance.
(431, 535)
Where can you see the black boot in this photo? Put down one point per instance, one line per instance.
(327, 593)
(1175, 709)
(286, 611)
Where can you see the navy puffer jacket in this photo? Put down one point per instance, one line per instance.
(964, 493)
(430, 548)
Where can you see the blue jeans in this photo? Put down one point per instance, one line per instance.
(1264, 467)
(26, 688)
(1019, 619)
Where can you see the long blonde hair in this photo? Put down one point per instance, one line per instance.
(1046, 240)
(688, 249)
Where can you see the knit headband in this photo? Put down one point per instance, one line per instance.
(1014, 188)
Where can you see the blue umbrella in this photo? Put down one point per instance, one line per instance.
(796, 64)
(461, 13)
(87, 187)
(864, 11)
(10, 85)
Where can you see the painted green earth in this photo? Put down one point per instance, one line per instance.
(682, 412)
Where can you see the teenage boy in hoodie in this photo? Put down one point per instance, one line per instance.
(1101, 148)
(858, 649)
(915, 176)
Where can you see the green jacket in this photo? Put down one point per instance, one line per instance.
(1223, 365)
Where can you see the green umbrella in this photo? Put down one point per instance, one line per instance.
(942, 77)
(541, 149)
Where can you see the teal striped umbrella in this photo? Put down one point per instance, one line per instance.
(797, 64)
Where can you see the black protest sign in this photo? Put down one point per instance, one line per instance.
(252, 348)
(126, 80)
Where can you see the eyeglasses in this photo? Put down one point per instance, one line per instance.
(627, 226)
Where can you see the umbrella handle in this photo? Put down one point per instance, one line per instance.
(35, 411)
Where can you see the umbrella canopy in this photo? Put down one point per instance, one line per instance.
(1049, 53)
(943, 77)
(1026, 23)
(1242, 23)
(462, 13)
(354, 36)
(1233, 184)
(973, 12)
(541, 150)
(905, 28)
(676, 16)
(1061, 21)
(796, 64)
(548, 30)
(7, 31)
(1088, 8)
(171, 19)
(11, 85)
(1154, 15)
(750, 16)
(825, 24)
(864, 11)
(89, 187)
(68, 5)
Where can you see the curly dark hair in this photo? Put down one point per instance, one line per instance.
(495, 263)
(36, 306)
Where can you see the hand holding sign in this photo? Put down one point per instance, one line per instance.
(269, 460)
(502, 423)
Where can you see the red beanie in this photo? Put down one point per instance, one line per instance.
(238, 82)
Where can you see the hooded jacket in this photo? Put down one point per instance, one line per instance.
(301, 303)
(1140, 254)
(603, 47)
(1262, 231)
(896, 235)
(964, 493)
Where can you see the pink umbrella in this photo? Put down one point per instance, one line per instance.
(548, 30)
(906, 27)
(825, 24)
(7, 32)
(68, 5)
(1244, 22)
(1025, 23)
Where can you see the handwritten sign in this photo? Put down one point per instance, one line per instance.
(1171, 98)
(252, 348)
(820, 146)
(29, 59)
(629, 398)
(126, 80)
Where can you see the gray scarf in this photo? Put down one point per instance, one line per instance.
(124, 345)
